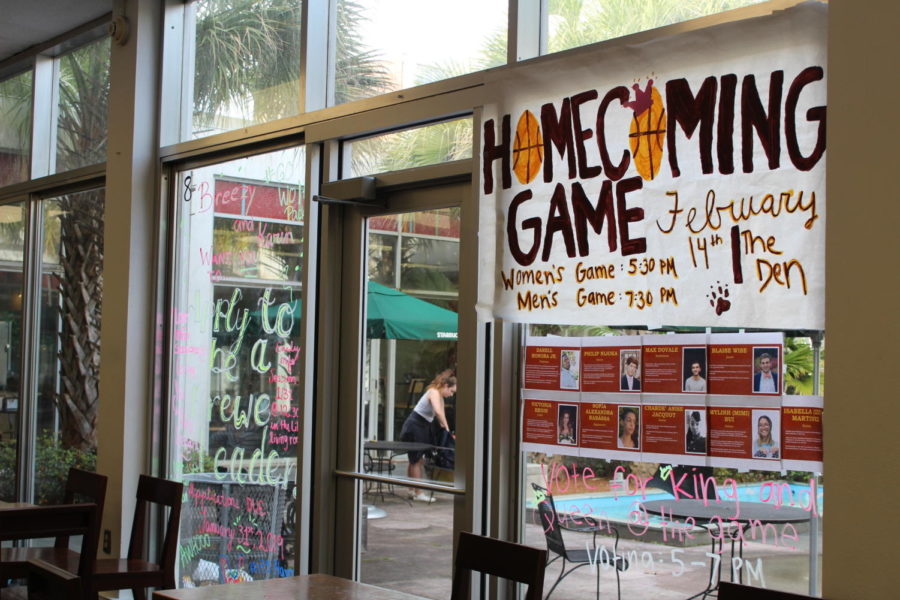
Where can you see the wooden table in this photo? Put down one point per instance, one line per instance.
(304, 587)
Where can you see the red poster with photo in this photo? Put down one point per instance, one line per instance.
(663, 430)
(552, 367)
(802, 433)
(539, 422)
(746, 364)
(662, 368)
(730, 432)
(730, 369)
(600, 369)
(599, 426)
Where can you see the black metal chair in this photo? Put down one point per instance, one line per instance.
(508, 560)
(553, 528)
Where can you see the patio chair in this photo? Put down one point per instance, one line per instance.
(553, 529)
(508, 560)
(735, 591)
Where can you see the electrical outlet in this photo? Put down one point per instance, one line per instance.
(107, 541)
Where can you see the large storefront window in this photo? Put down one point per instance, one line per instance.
(672, 491)
(246, 63)
(379, 50)
(235, 366)
(574, 23)
(83, 88)
(12, 245)
(15, 128)
(62, 348)
(68, 358)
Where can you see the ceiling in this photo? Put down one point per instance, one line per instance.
(28, 23)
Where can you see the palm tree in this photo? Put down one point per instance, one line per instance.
(81, 140)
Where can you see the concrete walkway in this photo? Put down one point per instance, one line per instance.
(410, 549)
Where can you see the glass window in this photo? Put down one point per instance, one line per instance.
(409, 417)
(419, 147)
(68, 367)
(81, 129)
(760, 527)
(15, 128)
(246, 63)
(386, 45)
(12, 243)
(573, 23)
(235, 366)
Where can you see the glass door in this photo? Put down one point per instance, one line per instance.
(397, 422)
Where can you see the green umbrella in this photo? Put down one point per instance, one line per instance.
(391, 314)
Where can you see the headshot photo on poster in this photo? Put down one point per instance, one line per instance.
(766, 367)
(630, 427)
(693, 370)
(766, 434)
(695, 431)
(569, 365)
(630, 369)
(567, 425)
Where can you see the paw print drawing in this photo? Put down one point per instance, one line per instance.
(717, 297)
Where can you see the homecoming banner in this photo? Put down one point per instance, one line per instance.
(677, 182)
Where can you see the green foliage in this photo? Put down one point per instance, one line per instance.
(359, 71)
(721, 474)
(799, 365)
(575, 23)
(52, 463)
(83, 106)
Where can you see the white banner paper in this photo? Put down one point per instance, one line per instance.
(678, 182)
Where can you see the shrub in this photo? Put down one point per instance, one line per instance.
(52, 464)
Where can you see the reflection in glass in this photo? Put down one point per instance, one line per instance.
(386, 46)
(15, 128)
(246, 63)
(12, 243)
(69, 319)
(574, 23)
(235, 366)
(418, 147)
(81, 129)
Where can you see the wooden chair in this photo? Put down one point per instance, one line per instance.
(553, 527)
(45, 582)
(735, 591)
(134, 572)
(81, 486)
(501, 559)
(53, 521)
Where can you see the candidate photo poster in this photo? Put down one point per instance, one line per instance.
(693, 370)
(629, 428)
(567, 424)
(694, 430)
(630, 370)
(766, 434)
(569, 369)
(766, 370)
